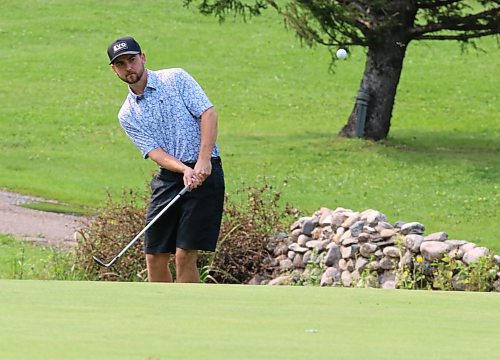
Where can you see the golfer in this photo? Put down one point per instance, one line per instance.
(170, 120)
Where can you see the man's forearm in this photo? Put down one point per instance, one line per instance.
(209, 121)
(166, 160)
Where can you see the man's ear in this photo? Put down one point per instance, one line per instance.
(143, 57)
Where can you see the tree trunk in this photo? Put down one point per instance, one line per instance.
(380, 80)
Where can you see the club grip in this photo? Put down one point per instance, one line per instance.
(183, 191)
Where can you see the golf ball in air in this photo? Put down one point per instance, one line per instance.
(342, 54)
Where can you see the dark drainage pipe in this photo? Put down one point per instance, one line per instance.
(362, 108)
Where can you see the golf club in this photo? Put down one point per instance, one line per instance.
(115, 259)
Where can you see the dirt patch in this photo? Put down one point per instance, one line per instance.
(38, 226)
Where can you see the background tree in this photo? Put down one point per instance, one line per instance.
(384, 27)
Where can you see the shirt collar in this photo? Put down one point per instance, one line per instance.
(151, 84)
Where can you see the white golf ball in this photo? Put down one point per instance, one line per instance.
(341, 54)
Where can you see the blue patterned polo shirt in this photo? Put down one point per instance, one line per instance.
(167, 115)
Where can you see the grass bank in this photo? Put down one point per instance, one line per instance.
(82, 320)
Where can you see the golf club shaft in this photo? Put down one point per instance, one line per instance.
(182, 192)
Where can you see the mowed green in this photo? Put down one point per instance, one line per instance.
(280, 110)
(86, 320)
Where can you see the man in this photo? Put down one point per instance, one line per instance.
(171, 121)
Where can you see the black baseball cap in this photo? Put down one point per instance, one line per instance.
(123, 46)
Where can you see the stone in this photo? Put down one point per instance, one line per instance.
(373, 216)
(496, 286)
(316, 233)
(374, 265)
(405, 260)
(307, 258)
(356, 228)
(298, 262)
(433, 250)
(496, 259)
(458, 283)
(295, 234)
(386, 263)
(467, 247)
(328, 277)
(286, 264)
(383, 225)
(363, 238)
(308, 226)
(333, 255)
(314, 244)
(281, 280)
(346, 252)
(342, 265)
(297, 248)
(473, 255)
(388, 280)
(438, 236)
(455, 244)
(456, 253)
(367, 249)
(387, 233)
(361, 262)
(413, 228)
(350, 220)
(303, 239)
(291, 254)
(392, 251)
(280, 249)
(346, 278)
(413, 242)
(349, 241)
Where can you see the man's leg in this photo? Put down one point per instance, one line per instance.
(158, 270)
(186, 268)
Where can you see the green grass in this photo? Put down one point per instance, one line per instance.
(279, 109)
(85, 320)
(25, 260)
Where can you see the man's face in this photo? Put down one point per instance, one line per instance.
(130, 68)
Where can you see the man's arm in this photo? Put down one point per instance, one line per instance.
(169, 162)
(203, 167)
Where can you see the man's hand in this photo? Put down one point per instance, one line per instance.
(202, 170)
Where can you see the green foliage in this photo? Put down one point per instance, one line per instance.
(479, 275)
(24, 261)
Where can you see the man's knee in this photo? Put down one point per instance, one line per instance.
(185, 258)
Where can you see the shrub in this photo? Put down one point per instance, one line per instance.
(242, 250)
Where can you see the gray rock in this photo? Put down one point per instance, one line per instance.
(333, 255)
(457, 282)
(298, 262)
(388, 280)
(433, 250)
(413, 242)
(307, 258)
(346, 252)
(308, 226)
(363, 238)
(281, 280)
(314, 244)
(286, 265)
(386, 263)
(455, 244)
(496, 259)
(280, 249)
(399, 224)
(303, 239)
(342, 265)
(328, 277)
(456, 253)
(473, 255)
(367, 249)
(467, 247)
(438, 236)
(373, 216)
(387, 233)
(356, 228)
(291, 254)
(405, 260)
(413, 228)
(349, 241)
(295, 234)
(374, 265)
(346, 278)
(351, 220)
(361, 262)
(297, 248)
(392, 251)
(496, 286)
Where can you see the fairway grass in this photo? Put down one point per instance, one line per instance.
(88, 320)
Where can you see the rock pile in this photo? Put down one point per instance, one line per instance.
(363, 249)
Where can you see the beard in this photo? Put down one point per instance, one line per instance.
(132, 77)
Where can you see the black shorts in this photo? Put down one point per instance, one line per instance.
(193, 222)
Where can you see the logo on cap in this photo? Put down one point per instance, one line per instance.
(120, 46)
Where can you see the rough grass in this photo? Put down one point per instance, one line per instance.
(279, 112)
(86, 320)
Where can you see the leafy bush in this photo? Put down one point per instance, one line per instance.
(243, 249)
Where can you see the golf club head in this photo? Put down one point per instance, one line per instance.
(100, 262)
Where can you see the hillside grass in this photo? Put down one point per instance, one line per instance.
(279, 110)
(88, 320)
